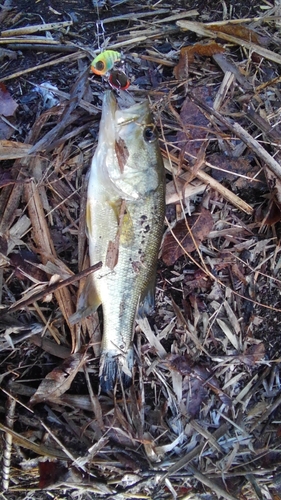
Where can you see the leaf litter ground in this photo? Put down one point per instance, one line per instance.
(202, 419)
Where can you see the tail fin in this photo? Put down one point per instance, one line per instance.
(114, 367)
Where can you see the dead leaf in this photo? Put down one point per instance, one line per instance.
(59, 380)
(273, 214)
(113, 246)
(195, 394)
(238, 171)
(112, 254)
(55, 475)
(240, 31)
(7, 104)
(194, 123)
(187, 367)
(180, 241)
(24, 263)
(50, 472)
(253, 354)
(187, 56)
(6, 130)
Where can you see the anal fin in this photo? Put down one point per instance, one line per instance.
(88, 301)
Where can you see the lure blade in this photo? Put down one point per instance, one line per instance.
(104, 62)
(118, 80)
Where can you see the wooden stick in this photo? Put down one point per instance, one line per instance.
(27, 30)
(50, 289)
(68, 58)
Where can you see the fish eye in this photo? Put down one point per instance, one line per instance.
(149, 133)
(100, 65)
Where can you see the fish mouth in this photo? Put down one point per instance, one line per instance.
(107, 123)
(122, 111)
(109, 106)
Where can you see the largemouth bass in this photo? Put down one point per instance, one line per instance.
(125, 215)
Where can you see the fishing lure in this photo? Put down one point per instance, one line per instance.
(118, 80)
(105, 61)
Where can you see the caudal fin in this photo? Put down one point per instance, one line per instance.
(116, 367)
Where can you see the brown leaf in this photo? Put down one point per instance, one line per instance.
(55, 475)
(273, 214)
(240, 31)
(253, 354)
(113, 246)
(50, 472)
(7, 104)
(59, 380)
(238, 272)
(187, 56)
(195, 124)
(187, 367)
(6, 130)
(24, 263)
(112, 254)
(195, 394)
(236, 170)
(180, 241)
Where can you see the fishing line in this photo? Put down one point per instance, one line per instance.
(100, 30)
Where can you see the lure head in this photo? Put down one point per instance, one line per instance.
(104, 62)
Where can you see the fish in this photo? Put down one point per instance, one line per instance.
(124, 219)
(105, 61)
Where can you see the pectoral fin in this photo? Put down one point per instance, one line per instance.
(88, 301)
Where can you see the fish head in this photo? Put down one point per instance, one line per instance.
(133, 161)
